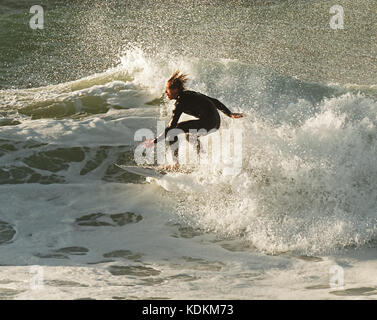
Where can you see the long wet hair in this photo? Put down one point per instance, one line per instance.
(177, 81)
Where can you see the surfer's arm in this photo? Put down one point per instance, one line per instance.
(221, 107)
(173, 122)
(225, 110)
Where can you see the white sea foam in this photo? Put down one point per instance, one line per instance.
(307, 186)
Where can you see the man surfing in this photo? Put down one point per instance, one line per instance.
(193, 103)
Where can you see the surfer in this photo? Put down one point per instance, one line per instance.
(193, 103)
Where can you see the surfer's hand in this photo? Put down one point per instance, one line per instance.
(236, 115)
(148, 143)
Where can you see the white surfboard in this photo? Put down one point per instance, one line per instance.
(143, 171)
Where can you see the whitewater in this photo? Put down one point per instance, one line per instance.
(303, 204)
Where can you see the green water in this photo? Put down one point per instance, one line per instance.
(83, 37)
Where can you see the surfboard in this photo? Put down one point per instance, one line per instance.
(144, 171)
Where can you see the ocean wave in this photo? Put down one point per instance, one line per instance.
(309, 188)
(308, 180)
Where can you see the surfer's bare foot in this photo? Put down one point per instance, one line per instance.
(148, 143)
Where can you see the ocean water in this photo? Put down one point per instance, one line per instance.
(302, 209)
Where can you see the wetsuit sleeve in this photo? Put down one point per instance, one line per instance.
(221, 106)
(178, 110)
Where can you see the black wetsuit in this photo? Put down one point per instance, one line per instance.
(198, 105)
